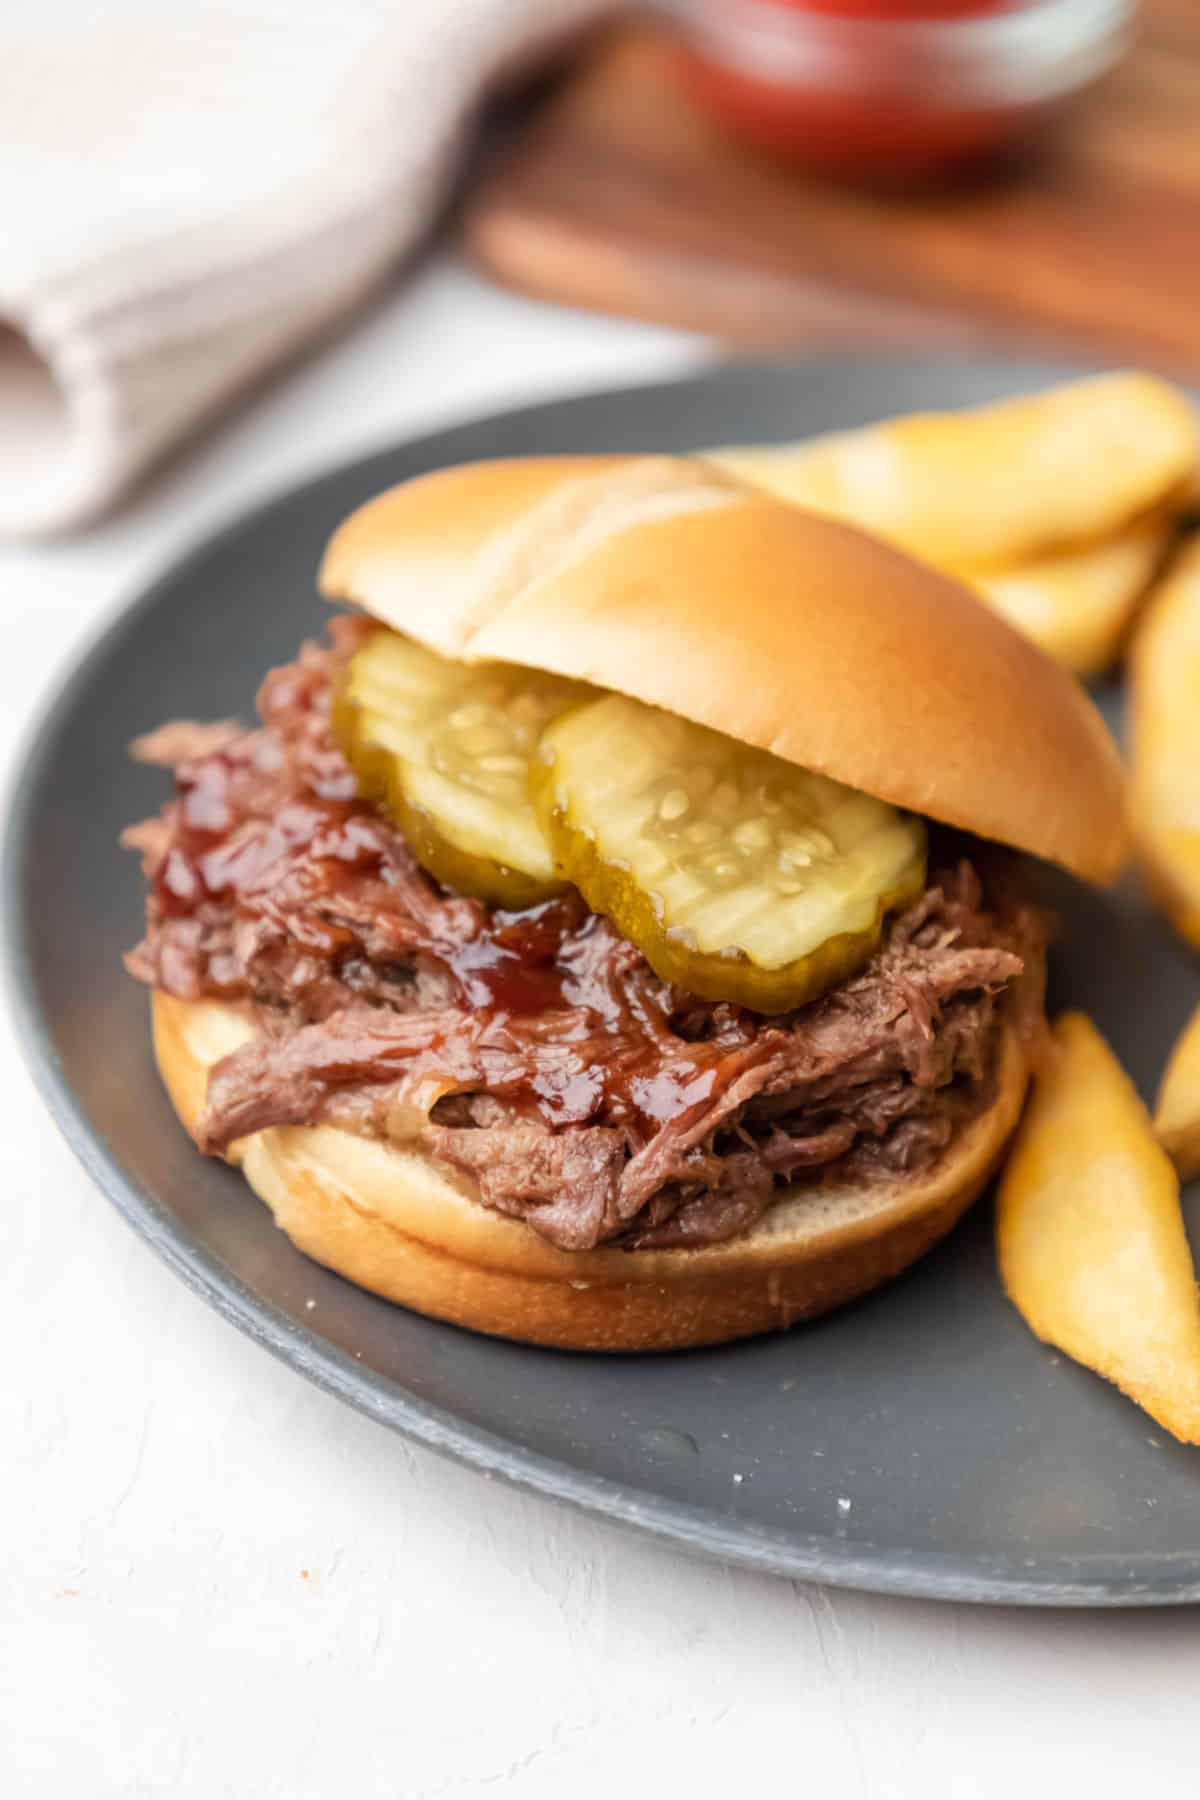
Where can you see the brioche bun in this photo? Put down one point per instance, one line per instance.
(391, 1222)
(665, 579)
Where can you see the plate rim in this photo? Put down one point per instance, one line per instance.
(1097, 1579)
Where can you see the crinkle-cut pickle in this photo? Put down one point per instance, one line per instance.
(444, 747)
(739, 876)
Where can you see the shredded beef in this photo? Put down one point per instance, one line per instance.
(535, 1054)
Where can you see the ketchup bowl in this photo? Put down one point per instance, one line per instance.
(893, 87)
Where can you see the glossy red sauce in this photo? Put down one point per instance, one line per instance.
(313, 846)
(506, 973)
(308, 898)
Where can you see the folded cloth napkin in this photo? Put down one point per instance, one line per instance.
(189, 192)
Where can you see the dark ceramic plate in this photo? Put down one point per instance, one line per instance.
(920, 1442)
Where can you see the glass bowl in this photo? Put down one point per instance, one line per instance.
(825, 85)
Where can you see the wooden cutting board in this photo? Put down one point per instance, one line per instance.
(621, 195)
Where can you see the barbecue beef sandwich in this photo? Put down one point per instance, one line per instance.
(614, 935)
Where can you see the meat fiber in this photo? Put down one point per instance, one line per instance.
(535, 1055)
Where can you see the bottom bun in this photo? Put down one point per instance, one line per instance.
(393, 1222)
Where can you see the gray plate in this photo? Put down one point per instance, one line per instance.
(920, 1442)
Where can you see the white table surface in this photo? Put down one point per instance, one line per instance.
(217, 1581)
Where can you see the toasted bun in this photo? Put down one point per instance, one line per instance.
(392, 1222)
(664, 579)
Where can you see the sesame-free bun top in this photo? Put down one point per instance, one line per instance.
(664, 579)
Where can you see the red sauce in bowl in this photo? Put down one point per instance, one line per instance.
(892, 87)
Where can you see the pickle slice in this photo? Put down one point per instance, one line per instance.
(444, 748)
(738, 876)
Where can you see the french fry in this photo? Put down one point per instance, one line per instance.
(1077, 604)
(1090, 1236)
(998, 485)
(1177, 1109)
(1165, 767)
(1098, 470)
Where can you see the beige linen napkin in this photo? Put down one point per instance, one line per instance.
(190, 189)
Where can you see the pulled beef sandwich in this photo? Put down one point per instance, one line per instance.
(614, 938)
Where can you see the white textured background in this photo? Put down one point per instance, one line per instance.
(217, 1582)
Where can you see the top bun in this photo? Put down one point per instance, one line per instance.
(664, 579)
